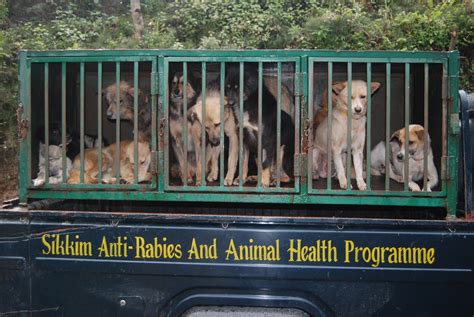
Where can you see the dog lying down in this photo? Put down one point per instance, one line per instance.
(417, 138)
(91, 161)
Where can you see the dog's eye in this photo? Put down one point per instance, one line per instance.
(363, 97)
(236, 86)
(217, 124)
(411, 142)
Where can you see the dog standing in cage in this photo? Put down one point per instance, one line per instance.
(416, 155)
(268, 128)
(339, 132)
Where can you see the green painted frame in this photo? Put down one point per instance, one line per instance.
(446, 198)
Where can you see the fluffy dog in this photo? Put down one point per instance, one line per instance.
(417, 138)
(212, 125)
(339, 132)
(91, 161)
(250, 124)
(55, 165)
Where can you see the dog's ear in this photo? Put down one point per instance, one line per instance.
(395, 137)
(374, 87)
(337, 87)
(192, 116)
(420, 133)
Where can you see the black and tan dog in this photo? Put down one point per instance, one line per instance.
(269, 123)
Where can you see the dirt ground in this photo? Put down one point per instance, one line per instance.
(9, 175)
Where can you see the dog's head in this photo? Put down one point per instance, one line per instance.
(416, 140)
(55, 134)
(359, 96)
(144, 156)
(125, 102)
(55, 152)
(213, 118)
(177, 86)
(232, 85)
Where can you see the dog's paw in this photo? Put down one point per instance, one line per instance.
(361, 185)
(414, 187)
(38, 182)
(343, 183)
(237, 181)
(228, 181)
(211, 178)
(428, 189)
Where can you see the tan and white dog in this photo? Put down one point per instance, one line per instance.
(339, 131)
(417, 139)
(212, 125)
(127, 159)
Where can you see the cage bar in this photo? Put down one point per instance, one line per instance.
(425, 126)
(241, 120)
(63, 120)
(46, 123)
(349, 125)
(81, 85)
(117, 123)
(135, 122)
(407, 123)
(388, 152)
(329, 131)
(203, 126)
(259, 140)
(278, 135)
(222, 125)
(185, 124)
(310, 121)
(369, 123)
(99, 117)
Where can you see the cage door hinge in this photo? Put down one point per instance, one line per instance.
(454, 124)
(23, 125)
(448, 163)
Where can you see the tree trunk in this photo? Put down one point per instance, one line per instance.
(137, 18)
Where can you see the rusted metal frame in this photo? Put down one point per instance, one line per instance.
(117, 123)
(329, 131)
(135, 122)
(444, 132)
(81, 119)
(63, 121)
(203, 126)
(222, 125)
(278, 127)
(24, 118)
(46, 122)
(156, 164)
(388, 152)
(407, 127)
(309, 124)
(241, 121)
(349, 125)
(185, 123)
(369, 124)
(259, 140)
(425, 126)
(99, 117)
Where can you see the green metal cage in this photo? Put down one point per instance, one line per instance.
(419, 87)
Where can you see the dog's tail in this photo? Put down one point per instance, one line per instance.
(288, 141)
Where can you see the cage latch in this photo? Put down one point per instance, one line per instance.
(22, 124)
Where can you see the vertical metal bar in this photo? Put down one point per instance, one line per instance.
(407, 122)
(329, 132)
(135, 122)
(369, 123)
(310, 120)
(185, 122)
(222, 109)
(278, 141)
(165, 112)
(297, 90)
(24, 164)
(159, 80)
(63, 120)
(259, 141)
(46, 123)
(203, 125)
(81, 124)
(425, 126)
(387, 127)
(99, 116)
(241, 120)
(444, 132)
(349, 124)
(117, 122)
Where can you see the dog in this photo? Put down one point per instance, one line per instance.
(251, 128)
(417, 138)
(177, 118)
(287, 99)
(55, 157)
(91, 161)
(212, 124)
(125, 104)
(339, 132)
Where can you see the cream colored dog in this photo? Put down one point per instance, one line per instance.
(339, 131)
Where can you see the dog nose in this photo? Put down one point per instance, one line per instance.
(358, 109)
(215, 142)
(400, 156)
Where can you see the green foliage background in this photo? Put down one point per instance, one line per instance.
(211, 24)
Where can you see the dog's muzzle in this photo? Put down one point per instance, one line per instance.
(215, 143)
